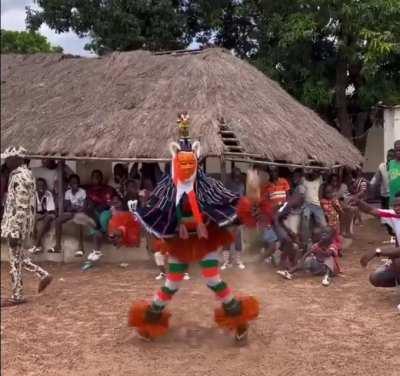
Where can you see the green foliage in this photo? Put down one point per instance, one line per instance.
(22, 42)
(116, 25)
(300, 44)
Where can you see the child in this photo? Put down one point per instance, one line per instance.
(332, 210)
(117, 225)
(321, 259)
(45, 212)
(74, 207)
(132, 193)
(145, 192)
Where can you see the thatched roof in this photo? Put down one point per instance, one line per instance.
(125, 105)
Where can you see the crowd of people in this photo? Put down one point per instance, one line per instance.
(310, 212)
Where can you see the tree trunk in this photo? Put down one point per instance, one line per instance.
(360, 128)
(344, 120)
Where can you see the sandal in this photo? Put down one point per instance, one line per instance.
(53, 250)
(285, 274)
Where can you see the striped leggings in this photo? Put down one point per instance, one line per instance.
(210, 272)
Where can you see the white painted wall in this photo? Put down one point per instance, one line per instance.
(391, 122)
(374, 150)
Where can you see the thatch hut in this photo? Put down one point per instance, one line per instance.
(124, 107)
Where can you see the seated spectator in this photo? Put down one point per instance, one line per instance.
(151, 171)
(48, 172)
(45, 213)
(144, 193)
(321, 259)
(120, 177)
(332, 210)
(132, 193)
(98, 195)
(74, 208)
(117, 225)
(134, 172)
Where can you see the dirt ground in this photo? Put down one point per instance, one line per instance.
(79, 326)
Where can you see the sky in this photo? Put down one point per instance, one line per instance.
(13, 18)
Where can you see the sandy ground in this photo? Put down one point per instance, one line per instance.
(79, 326)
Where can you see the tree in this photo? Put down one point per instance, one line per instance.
(116, 25)
(23, 42)
(339, 57)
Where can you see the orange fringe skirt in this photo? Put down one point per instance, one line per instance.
(194, 249)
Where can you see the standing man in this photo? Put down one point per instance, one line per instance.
(18, 223)
(311, 187)
(381, 179)
(394, 173)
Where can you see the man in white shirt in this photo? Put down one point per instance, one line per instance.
(381, 180)
(311, 188)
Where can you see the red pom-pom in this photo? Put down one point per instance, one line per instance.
(251, 212)
(250, 311)
(137, 319)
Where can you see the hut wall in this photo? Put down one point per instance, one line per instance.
(374, 150)
(84, 170)
(391, 122)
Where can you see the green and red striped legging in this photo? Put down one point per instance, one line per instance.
(210, 272)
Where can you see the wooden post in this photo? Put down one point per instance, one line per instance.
(60, 186)
(60, 191)
(223, 170)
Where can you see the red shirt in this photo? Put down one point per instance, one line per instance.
(100, 194)
(321, 254)
(276, 192)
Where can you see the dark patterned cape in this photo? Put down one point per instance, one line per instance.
(216, 202)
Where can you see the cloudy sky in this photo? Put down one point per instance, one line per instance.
(13, 18)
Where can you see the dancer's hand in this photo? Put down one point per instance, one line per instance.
(202, 231)
(183, 232)
(367, 257)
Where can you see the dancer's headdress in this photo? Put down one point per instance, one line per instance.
(184, 165)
